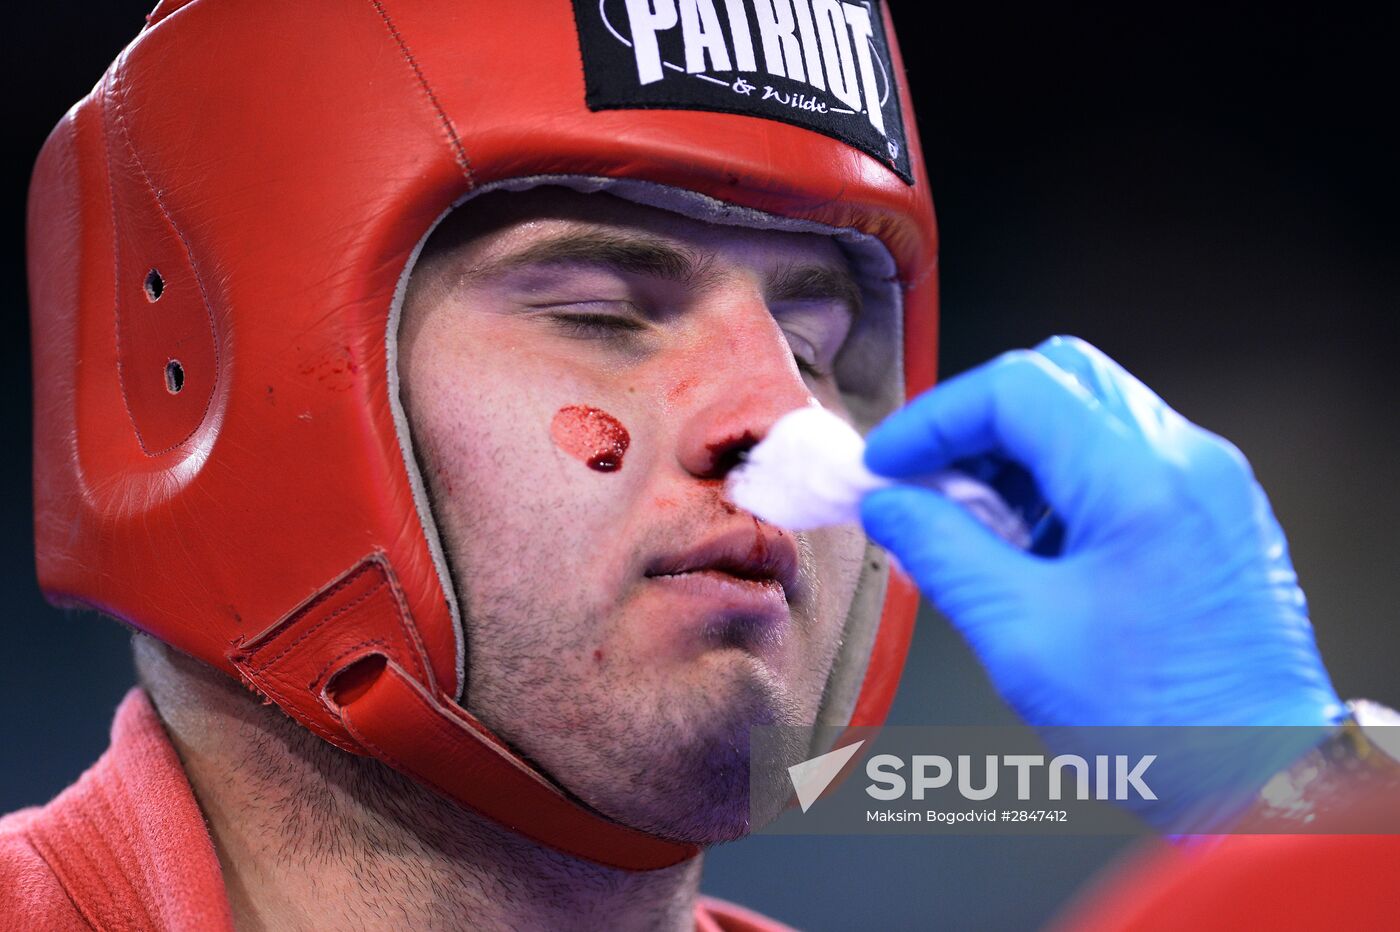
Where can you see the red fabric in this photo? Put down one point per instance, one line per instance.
(1276, 882)
(126, 847)
(712, 915)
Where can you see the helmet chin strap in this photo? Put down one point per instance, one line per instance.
(379, 688)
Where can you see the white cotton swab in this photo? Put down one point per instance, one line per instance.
(809, 472)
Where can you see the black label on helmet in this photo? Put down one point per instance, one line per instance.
(820, 64)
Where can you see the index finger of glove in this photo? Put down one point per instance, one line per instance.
(1121, 393)
(1019, 405)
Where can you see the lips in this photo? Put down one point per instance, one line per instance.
(756, 554)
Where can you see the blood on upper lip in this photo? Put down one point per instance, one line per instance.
(758, 553)
(715, 488)
(591, 435)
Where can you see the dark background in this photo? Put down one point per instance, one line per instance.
(1205, 192)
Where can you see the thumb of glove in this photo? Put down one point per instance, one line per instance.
(964, 568)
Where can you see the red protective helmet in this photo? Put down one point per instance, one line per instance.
(219, 238)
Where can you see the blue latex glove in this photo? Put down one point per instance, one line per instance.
(1171, 600)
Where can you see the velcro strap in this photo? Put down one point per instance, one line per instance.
(363, 612)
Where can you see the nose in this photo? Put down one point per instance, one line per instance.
(747, 380)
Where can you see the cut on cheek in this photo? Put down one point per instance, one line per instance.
(590, 435)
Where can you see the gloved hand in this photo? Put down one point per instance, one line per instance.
(1172, 599)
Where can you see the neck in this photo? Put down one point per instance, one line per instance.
(312, 837)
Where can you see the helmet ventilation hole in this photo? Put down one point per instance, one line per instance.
(174, 376)
(155, 287)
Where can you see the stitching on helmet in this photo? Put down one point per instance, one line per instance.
(460, 153)
(347, 607)
(414, 645)
(268, 685)
(375, 642)
(116, 102)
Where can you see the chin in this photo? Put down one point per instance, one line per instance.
(695, 782)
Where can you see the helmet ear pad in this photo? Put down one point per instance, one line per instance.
(167, 358)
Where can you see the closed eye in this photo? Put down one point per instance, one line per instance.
(595, 324)
(572, 318)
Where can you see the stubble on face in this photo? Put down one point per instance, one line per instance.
(568, 660)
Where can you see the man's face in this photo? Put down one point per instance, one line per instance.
(580, 373)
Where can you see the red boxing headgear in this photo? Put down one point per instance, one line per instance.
(219, 237)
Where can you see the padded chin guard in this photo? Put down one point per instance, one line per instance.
(218, 236)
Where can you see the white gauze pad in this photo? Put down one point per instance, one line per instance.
(809, 472)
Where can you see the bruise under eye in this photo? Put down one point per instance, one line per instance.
(816, 332)
(805, 355)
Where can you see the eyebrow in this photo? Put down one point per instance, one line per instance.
(629, 254)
